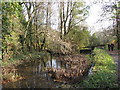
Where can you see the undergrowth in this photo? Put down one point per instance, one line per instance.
(26, 57)
(104, 71)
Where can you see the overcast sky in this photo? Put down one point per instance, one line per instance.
(94, 14)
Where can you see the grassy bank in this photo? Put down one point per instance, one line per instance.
(104, 71)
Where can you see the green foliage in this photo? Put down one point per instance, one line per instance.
(12, 27)
(34, 36)
(78, 37)
(94, 40)
(79, 13)
(26, 57)
(104, 71)
(102, 58)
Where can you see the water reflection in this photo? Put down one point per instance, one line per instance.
(57, 64)
(53, 64)
(34, 74)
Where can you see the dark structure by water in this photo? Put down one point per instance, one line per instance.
(89, 49)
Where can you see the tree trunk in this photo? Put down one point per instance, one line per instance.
(61, 20)
(118, 28)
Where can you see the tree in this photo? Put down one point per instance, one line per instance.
(71, 14)
(12, 27)
(117, 9)
(78, 37)
(94, 40)
(114, 10)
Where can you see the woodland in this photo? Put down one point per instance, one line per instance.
(49, 44)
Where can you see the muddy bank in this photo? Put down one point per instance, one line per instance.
(76, 66)
(9, 72)
(10, 68)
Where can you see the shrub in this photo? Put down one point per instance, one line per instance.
(104, 71)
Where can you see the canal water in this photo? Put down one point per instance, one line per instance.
(34, 74)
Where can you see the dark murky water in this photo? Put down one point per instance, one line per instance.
(35, 75)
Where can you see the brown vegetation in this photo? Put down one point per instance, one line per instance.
(79, 66)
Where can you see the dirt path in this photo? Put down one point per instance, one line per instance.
(116, 56)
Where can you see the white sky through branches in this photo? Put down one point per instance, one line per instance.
(94, 15)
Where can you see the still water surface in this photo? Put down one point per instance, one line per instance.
(35, 75)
